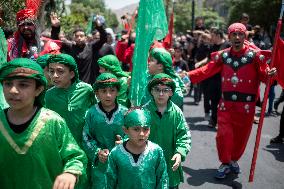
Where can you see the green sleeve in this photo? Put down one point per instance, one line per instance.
(111, 174)
(183, 142)
(73, 157)
(161, 172)
(89, 143)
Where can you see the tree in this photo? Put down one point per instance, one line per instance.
(262, 12)
(183, 20)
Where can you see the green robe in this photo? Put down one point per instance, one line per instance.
(72, 104)
(122, 97)
(100, 133)
(3, 103)
(177, 97)
(149, 172)
(172, 134)
(35, 157)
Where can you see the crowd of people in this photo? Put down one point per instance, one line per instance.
(67, 120)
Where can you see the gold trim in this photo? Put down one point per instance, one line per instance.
(30, 141)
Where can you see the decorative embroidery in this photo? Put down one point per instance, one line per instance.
(237, 62)
(39, 125)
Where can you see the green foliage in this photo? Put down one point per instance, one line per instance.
(262, 12)
(183, 18)
(82, 10)
(212, 19)
(10, 8)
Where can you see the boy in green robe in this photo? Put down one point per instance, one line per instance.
(161, 62)
(37, 149)
(111, 64)
(169, 128)
(70, 97)
(137, 163)
(103, 127)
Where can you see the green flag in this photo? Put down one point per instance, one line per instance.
(151, 25)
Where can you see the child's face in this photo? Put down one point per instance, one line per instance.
(154, 67)
(21, 93)
(60, 75)
(137, 135)
(107, 96)
(161, 94)
(102, 69)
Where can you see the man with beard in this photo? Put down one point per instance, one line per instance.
(242, 69)
(26, 41)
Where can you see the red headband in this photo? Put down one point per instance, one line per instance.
(237, 27)
(25, 14)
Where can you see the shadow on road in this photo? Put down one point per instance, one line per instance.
(202, 176)
(198, 123)
(277, 150)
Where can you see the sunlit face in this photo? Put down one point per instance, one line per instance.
(161, 94)
(27, 30)
(154, 67)
(61, 76)
(80, 38)
(237, 39)
(21, 93)
(137, 135)
(107, 96)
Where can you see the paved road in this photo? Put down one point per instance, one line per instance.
(202, 162)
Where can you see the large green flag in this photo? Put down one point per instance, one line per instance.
(3, 59)
(151, 25)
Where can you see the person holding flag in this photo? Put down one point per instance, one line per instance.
(242, 68)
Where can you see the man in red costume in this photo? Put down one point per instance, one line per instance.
(242, 69)
(26, 41)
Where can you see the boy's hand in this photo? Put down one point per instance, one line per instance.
(103, 154)
(65, 181)
(118, 140)
(177, 159)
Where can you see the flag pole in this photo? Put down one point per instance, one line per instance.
(263, 108)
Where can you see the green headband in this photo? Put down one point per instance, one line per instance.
(24, 68)
(163, 79)
(164, 57)
(112, 64)
(42, 60)
(106, 80)
(137, 117)
(65, 59)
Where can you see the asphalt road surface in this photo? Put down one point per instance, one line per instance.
(202, 162)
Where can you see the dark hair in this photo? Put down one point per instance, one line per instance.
(78, 30)
(218, 32)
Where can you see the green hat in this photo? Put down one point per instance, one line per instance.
(106, 80)
(137, 116)
(42, 60)
(23, 67)
(112, 64)
(65, 59)
(164, 57)
(163, 79)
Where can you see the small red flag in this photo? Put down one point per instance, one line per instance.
(279, 62)
(167, 43)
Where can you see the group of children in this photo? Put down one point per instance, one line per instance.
(42, 133)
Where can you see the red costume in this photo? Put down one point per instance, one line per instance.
(241, 73)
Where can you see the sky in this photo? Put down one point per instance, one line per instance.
(117, 4)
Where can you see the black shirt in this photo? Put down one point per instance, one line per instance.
(108, 114)
(22, 127)
(135, 156)
(86, 57)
